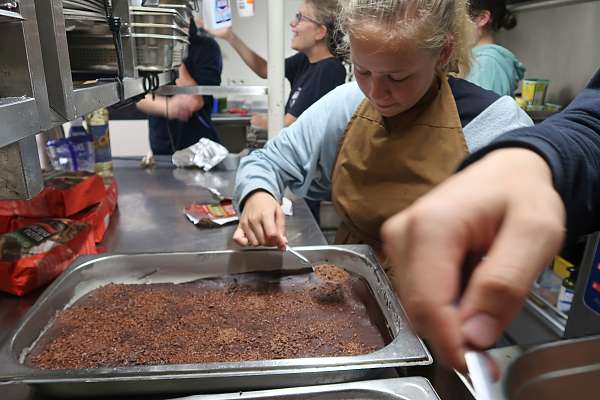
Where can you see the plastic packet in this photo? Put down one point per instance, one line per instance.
(34, 255)
(72, 154)
(211, 215)
(205, 154)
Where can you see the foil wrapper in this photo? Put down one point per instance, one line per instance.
(205, 154)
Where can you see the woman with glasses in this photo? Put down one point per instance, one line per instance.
(376, 145)
(314, 71)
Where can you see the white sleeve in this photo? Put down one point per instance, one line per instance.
(501, 116)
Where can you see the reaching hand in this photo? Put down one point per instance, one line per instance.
(223, 33)
(262, 222)
(182, 107)
(260, 121)
(497, 223)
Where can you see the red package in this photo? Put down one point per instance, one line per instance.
(65, 194)
(36, 254)
(98, 216)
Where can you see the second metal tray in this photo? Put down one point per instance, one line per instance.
(382, 389)
(404, 350)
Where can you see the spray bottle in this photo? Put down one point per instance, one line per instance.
(216, 14)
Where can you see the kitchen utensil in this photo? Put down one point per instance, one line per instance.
(481, 376)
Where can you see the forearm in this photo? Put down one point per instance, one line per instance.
(252, 60)
(153, 106)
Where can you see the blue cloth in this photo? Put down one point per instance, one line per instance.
(309, 82)
(496, 68)
(303, 155)
(570, 144)
(205, 64)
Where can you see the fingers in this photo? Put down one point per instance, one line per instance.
(529, 237)
(280, 223)
(263, 222)
(240, 237)
(426, 276)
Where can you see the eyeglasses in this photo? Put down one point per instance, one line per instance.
(300, 17)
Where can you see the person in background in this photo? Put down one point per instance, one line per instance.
(513, 202)
(376, 145)
(180, 121)
(494, 67)
(317, 67)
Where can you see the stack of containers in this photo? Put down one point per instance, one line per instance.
(161, 34)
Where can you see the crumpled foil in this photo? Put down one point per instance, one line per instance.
(205, 154)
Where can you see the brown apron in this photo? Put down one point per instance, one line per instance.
(384, 165)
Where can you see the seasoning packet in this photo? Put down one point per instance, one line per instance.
(211, 215)
(35, 255)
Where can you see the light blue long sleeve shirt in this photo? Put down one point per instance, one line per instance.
(496, 68)
(303, 155)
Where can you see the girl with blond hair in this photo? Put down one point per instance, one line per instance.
(376, 145)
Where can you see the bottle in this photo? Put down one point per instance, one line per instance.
(567, 291)
(216, 14)
(245, 8)
(97, 123)
(77, 128)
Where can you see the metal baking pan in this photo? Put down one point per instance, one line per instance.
(404, 350)
(383, 389)
(559, 370)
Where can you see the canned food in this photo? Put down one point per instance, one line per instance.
(534, 91)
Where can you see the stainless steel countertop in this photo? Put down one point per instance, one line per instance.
(150, 219)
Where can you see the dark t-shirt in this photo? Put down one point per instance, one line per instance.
(205, 64)
(310, 82)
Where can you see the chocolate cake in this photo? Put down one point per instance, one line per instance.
(247, 317)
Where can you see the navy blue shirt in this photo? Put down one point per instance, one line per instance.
(310, 82)
(570, 143)
(205, 64)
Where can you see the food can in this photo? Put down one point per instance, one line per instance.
(534, 91)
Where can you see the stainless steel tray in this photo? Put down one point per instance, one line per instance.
(87, 274)
(560, 370)
(383, 389)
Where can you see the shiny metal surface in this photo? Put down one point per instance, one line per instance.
(213, 90)
(150, 214)
(20, 172)
(134, 87)
(23, 97)
(89, 273)
(89, 98)
(150, 218)
(565, 369)
(9, 16)
(57, 68)
(383, 389)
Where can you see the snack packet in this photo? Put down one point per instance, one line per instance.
(211, 215)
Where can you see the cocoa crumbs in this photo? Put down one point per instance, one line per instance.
(248, 317)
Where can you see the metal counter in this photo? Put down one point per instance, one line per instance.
(150, 219)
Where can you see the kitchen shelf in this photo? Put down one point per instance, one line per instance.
(20, 118)
(89, 98)
(134, 86)
(213, 90)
